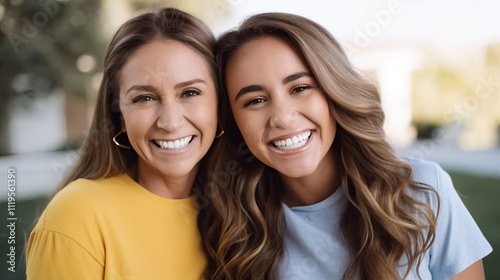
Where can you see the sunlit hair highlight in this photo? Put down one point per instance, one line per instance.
(243, 225)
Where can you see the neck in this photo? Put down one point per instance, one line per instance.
(315, 187)
(166, 186)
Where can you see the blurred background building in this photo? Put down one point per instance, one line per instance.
(437, 65)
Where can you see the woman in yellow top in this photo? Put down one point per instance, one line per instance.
(127, 210)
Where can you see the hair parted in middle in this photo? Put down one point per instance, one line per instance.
(243, 225)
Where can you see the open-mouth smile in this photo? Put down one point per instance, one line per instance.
(294, 142)
(173, 145)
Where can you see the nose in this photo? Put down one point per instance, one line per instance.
(170, 116)
(283, 113)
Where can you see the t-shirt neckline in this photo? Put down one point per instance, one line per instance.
(327, 202)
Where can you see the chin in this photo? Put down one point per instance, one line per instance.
(177, 171)
(297, 171)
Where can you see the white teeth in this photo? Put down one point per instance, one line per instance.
(174, 145)
(294, 142)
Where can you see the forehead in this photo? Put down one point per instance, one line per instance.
(265, 54)
(161, 59)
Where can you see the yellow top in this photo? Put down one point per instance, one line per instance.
(115, 229)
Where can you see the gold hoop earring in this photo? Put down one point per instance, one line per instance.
(221, 132)
(118, 144)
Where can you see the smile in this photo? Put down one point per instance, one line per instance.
(174, 145)
(294, 142)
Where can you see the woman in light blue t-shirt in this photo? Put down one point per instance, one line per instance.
(327, 196)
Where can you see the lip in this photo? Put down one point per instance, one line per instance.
(173, 152)
(296, 150)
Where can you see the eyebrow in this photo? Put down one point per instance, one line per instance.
(188, 83)
(141, 88)
(296, 76)
(285, 81)
(246, 90)
(153, 89)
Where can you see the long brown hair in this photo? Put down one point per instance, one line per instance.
(243, 225)
(99, 157)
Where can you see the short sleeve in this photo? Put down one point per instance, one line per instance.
(459, 242)
(52, 255)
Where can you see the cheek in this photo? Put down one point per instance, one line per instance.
(252, 131)
(327, 119)
(205, 115)
(137, 121)
(251, 125)
(243, 125)
(319, 106)
(333, 126)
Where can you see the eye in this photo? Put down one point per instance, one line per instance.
(142, 98)
(254, 101)
(300, 88)
(190, 93)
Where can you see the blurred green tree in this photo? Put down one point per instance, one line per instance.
(45, 46)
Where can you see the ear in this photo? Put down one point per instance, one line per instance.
(115, 108)
(122, 123)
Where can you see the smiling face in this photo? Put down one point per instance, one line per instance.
(279, 108)
(168, 103)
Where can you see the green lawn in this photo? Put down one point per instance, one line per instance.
(479, 193)
(481, 196)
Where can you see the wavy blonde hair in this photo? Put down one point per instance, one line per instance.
(99, 157)
(243, 224)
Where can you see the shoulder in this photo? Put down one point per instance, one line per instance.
(73, 227)
(79, 203)
(429, 173)
(424, 171)
(91, 189)
(455, 225)
(87, 193)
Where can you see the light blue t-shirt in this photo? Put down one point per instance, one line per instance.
(315, 249)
